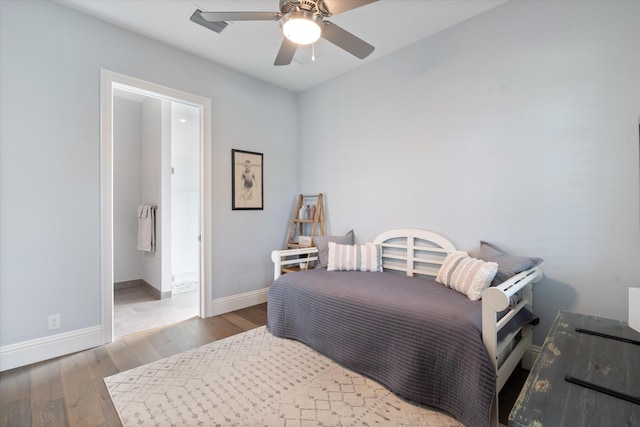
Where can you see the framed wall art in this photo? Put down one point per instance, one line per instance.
(246, 180)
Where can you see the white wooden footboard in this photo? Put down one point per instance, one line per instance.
(495, 300)
(289, 259)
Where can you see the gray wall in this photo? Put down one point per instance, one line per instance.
(519, 127)
(49, 162)
(153, 146)
(127, 175)
(138, 136)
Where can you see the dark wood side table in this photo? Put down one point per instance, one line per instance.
(547, 399)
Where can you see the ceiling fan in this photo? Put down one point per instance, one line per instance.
(302, 23)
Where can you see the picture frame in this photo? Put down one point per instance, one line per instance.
(247, 190)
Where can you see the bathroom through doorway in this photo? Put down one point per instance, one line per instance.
(158, 160)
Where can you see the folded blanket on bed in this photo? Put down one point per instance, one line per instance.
(523, 317)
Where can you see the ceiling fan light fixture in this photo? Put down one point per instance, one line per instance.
(302, 27)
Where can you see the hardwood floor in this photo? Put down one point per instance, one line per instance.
(69, 390)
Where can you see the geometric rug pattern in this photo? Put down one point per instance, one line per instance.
(256, 379)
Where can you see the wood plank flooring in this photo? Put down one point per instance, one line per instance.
(69, 390)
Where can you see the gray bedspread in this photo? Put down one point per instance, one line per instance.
(421, 340)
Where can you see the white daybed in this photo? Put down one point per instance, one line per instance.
(418, 254)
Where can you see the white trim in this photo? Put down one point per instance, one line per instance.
(109, 80)
(36, 350)
(238, 301)
(106, 200)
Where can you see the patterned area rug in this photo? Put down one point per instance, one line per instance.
(256, 379)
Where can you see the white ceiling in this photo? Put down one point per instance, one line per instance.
(251, 47)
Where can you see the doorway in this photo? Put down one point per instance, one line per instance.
(165, 163)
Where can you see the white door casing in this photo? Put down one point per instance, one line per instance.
(108, 81)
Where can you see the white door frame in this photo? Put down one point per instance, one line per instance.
(108, 80)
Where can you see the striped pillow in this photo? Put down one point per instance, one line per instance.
(367, 257)
(466, 275)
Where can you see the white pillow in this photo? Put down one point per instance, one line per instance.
(367, 257)
(466, 275)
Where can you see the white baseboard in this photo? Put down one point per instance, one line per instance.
(37, 350)
(237, 302)
(530, 357)
(33, 351)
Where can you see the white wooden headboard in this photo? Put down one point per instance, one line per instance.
(413, 251)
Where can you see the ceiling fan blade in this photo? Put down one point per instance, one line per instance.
(240, 16)
(345, 40)
(214, 26)
(286, 52)
(338, 6)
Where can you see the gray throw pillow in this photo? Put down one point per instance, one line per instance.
(508, 265)
(322, 243)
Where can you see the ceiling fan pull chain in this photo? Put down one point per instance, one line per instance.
(313, 52)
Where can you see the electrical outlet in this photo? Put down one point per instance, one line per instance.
(54, 321)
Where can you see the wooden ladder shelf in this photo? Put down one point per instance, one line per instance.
(308, 221)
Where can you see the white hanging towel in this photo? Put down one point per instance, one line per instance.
(146, 228)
